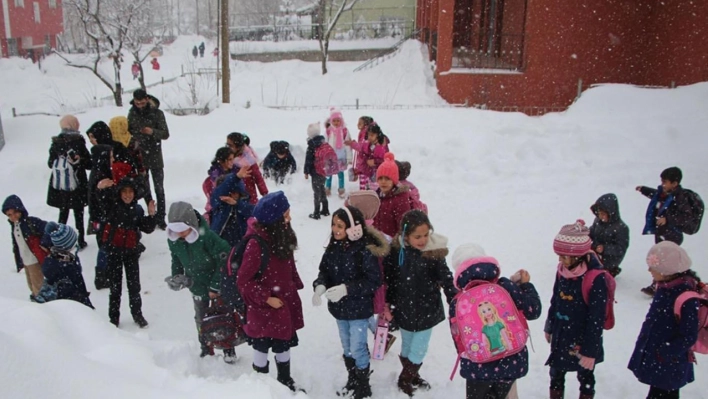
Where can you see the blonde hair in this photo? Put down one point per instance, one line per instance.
(494, 309)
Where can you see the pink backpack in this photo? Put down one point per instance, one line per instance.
(589, 278)
(326, 161)
(487, 325)
(701, 345)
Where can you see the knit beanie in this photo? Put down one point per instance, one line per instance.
(388, 168)
(63, 237)
(667, 258)
(313, 130)
(573, 240)
(367, 201)
(119, 130)
(465, 252)
(271, 208)
(335, 114)
(69, 122)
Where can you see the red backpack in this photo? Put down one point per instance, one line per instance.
(701, 345)
(588, 279)
(326, 162)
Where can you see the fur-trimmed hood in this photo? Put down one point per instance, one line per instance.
(397, 190)
(435, 249)
(381, 247)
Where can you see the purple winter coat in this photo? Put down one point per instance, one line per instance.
(280, 280)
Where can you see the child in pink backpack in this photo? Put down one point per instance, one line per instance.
(493, 380)
(662, 356)
(337, 135)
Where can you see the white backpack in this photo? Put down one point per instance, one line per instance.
(63, 174)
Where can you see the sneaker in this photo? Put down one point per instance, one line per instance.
(33, 299)
(315, 216)
(649, 290)
(230, 356)
(140, 321)
(341, 193)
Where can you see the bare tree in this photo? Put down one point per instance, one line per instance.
(146, 35)
(326, 23)
(107, 25)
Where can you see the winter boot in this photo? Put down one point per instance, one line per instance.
(263, 370)
(556, 394)
(284, 376)
(350, 364)
(230, 356)
(140, 320)
(405, 380)
(325, 209)
(650, 290)
(315, 216)
(206, 351)
(362, 389)
(417, 381)
(101, 281)
(341, 193)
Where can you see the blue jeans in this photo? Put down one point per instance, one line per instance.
(340, 176)
(353, 334)
(415, 344)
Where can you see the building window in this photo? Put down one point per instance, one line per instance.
(52, 3)
(12, 49)
(20, 3)
(489, 34)
(36, 12)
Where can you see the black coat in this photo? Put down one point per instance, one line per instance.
(61, 145)
(356, 265)
(97, 203)
(312, 145)
(63, 269)
(613, 235)
(414, 287)
(124, 223)
(150, 144)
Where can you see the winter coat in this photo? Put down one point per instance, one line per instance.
(255, 181)
(201, 260)
(393, 206)
(63, 270)
(661, 355)
(413, 287)
(613, 235)
(121, 232)
(312, 145)
(215, 171)
(280, 280)
(230, 221)
(32, 229)
(674, 207)
(150, 144)
(273, 166)
(527, 302)
(356, 265)
(368, 151)
(344, 154)
(67, 141)
(97, 198)
(574, 325)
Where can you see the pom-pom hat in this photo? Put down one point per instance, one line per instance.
(388, 168)
(573, 240)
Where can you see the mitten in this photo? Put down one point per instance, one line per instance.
(336, 293)
(316, 297)
(587, 362)
(185, 280)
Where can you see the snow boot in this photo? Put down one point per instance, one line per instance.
(230, 356)
(650, 290)
(263, 370)
(350, 364)
(556, 394)
(284, 376)
(341, 193)
(362, 389)
(140, 320)
(405, 379)
(315, 216)
(417, 381)
(325, 209)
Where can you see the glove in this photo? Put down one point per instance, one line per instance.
(179, 282)
(336, 293)
(586, 362)
(319, 290)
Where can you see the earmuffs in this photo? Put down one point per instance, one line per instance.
(354, 232)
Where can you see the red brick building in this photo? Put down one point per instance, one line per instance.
(535, 55)
(29, 27)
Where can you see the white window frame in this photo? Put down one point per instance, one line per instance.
(37, 16)
(52, 3)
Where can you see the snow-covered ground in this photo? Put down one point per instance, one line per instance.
(503, 180)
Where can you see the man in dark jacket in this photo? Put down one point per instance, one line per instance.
(147, 123)
(609, 234)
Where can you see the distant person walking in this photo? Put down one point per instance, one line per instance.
(201, 50)
(195, 52)
(147, 123)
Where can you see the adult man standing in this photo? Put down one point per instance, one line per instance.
(147, 123)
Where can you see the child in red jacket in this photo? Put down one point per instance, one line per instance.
(395, 197)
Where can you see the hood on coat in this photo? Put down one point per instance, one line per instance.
(380, 247)
(316, 141)
(101, 159)
(435, 249)
(609, 204)
(183, 212)
(397, 190)
(101, 132)
(481, 268)
(128, 182)
(231, 184)
(66, 137)
(14, 202)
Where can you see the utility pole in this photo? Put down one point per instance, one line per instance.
(225, 53)
(196, 5)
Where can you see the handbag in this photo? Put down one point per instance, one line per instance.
(221, 326)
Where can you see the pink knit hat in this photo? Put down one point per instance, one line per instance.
(388, 168)
(335, 114)
(667, 258)
(573, 240)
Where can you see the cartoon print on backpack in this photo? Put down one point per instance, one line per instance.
(494, 329)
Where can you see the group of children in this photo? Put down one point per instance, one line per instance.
(383, 261)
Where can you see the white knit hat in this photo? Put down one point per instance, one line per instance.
(465, 252)
(313, 129)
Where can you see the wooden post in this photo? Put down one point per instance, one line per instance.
(225, 53)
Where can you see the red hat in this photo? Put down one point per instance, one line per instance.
(388, 168)
(573, 240)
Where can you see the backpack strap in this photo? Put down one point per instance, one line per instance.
(682, 299)
(457, 364)
(241, 248)
(588, 280)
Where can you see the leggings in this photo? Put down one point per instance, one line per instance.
(340, 176)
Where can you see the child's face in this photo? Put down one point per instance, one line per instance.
(127, 195)
(237, 150)
(13, 215)
(385, 184)
(228, 163)
(281, 156)
(604, 216)
(418, 238)
(92, 139)
(566, 260)
(668, 186)
(338, 228)
(372, 137)
(360, 124)
(184, 234)
(656, 275)
(336, 122)
(287, 217)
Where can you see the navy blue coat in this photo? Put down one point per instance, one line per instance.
(230, 221)
(661, 354)
(574, 325)
(675, 208)
(273, 166)
(63, 269)
(527, 302)
(613, 235)
(312, 145)
(30, 227)
(354, 264)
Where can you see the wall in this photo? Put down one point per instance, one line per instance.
(23, 23)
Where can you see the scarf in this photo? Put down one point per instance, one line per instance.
(339, 136)
(575, 272)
